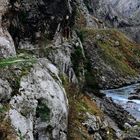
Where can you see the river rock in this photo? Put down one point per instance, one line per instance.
(135, 95)
(97, 126)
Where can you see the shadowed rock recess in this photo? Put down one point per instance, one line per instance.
(57, 60)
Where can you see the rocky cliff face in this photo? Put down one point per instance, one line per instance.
(117, 13)
(52, 64)
(34, 19)
(33, 100)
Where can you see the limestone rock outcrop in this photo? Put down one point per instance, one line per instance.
(40, 110)
(32, 20)
(121, 14)
(7, 47)
(52, 66)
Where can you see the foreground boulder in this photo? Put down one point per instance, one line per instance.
(39, 109)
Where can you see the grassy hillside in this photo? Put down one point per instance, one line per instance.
(111, 53)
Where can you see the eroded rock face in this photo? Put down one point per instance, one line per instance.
(7, 47)
(60, 55)
(3, 8)
(5, 91)
(122, 14)
(41, 111)
(32, 19)
(90, 22)
(38, 108)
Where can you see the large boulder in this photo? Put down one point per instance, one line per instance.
(40, 111)
(134, 95)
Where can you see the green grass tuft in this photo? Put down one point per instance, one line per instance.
(16, 60)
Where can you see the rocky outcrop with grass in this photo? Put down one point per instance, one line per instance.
(113, 58)
(53, 61)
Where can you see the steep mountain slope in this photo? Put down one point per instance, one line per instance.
(119, 13)
(52, 66)
(113, 57)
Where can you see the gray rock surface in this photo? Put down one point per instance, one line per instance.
(97, 136)
(40, 112)
(121, 14)
(5, 90)
(90, 21)
(92, 123)
(116, 113)
(33, 19)
(61, 56)
(7, 48)
(38, 107)
(96, 126)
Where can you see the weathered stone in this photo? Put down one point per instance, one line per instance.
(90, 21)
(135, 95)
(123, 14)
(117, 43)
(127, 126)
(5, 91)
(28, 18)
(43, 99)
(92, 123)
(97, 136)
(7, 48)
(61, 56)
(116, 112)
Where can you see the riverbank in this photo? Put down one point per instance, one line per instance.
(121, 95)
(124, 125)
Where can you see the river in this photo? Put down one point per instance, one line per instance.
(120, 96)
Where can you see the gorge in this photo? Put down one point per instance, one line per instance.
(69, 70)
